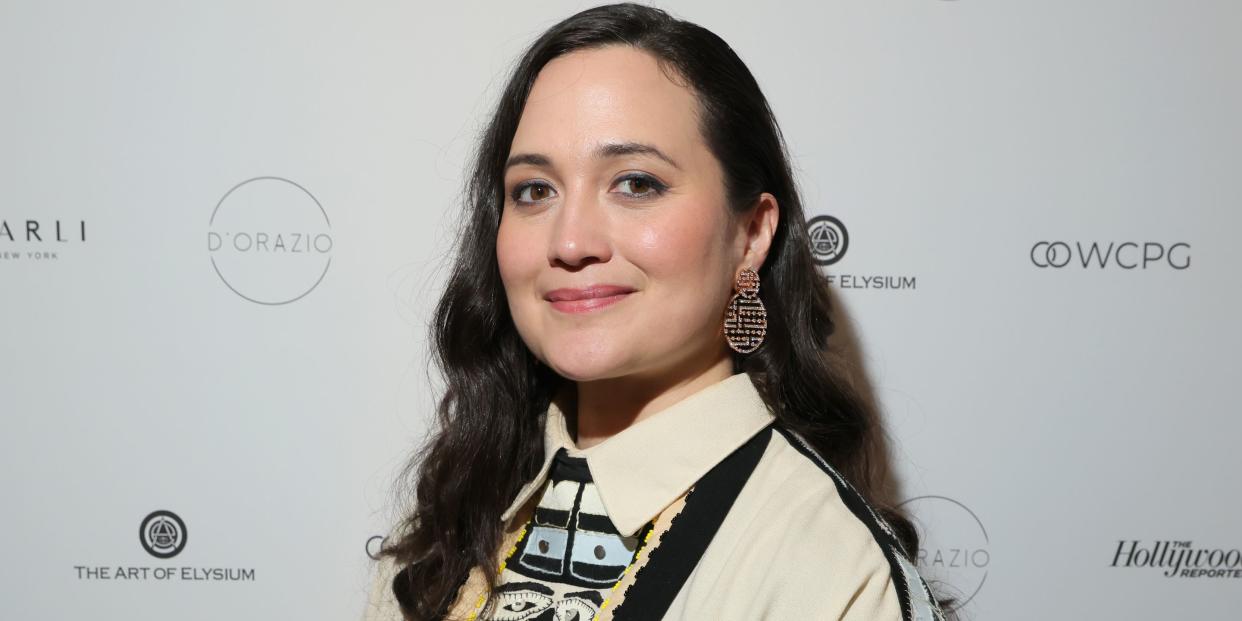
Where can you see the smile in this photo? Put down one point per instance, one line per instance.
(587, 299)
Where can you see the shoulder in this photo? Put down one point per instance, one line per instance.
(381, 602)
(815, 536)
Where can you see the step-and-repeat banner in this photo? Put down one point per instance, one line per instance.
(223, 226)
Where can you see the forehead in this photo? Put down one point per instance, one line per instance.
(616, 93)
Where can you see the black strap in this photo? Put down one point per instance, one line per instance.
(659, 580)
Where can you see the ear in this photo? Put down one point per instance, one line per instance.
(758, 225)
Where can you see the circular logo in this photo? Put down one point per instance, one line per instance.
(162, 534)
(954, 552)
(270, 241)
(829, 239)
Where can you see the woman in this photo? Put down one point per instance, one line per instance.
(632, 429)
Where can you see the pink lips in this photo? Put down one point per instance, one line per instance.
(586, 299)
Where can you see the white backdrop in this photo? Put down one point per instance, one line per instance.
(1064, 433)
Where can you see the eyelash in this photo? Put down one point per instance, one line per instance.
(657, 188)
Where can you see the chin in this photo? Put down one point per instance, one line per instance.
(584, 365)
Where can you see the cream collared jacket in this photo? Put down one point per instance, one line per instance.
(798, 542)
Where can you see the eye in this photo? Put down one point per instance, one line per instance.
(534, 186)
(643, 186)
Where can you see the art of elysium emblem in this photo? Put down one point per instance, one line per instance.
(162, 534)
(829, 239)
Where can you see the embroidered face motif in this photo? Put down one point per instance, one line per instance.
(570, 556)
(571, 539)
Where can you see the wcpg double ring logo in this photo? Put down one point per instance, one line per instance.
(163, 534)
(829, 239)
(1125, 255)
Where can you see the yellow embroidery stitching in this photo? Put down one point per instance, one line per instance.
(641, 549)
(482, 596)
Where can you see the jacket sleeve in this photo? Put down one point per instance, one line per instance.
(834, 569)
(875, 597)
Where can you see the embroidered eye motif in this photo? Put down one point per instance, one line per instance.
(600, 557)
(516, 603)
(545, 549)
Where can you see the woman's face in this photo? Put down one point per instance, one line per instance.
(610, 185)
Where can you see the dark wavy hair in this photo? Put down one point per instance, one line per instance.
(488, 441)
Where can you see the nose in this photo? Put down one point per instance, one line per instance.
(580, 232)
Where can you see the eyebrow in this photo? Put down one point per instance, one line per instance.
(605, 150)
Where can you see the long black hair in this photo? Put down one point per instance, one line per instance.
(488, 440)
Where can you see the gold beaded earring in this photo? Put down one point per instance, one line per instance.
(746, 321)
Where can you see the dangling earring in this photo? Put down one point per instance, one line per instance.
(746, 321)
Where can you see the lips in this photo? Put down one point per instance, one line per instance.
(586, 298)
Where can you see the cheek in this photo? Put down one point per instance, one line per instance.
(517, 276)
(686, 246)
(513, 258)
(684, 259)
(518, 260)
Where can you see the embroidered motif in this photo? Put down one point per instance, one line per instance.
(569, 558)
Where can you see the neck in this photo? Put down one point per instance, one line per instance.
(606, 407)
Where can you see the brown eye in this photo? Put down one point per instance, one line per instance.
(538, 191)
(643, 186)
